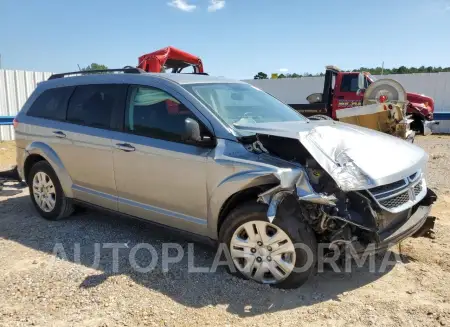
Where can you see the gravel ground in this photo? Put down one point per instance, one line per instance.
(7, 154)
(38, 289)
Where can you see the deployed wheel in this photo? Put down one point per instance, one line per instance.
(282, 253)
(47, 194)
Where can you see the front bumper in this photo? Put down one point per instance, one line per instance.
(411, 227)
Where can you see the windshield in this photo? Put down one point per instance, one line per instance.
(237, 103)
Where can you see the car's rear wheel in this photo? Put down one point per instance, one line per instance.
(47, 194)
(282, 253)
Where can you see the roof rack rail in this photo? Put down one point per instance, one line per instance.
(127, 70)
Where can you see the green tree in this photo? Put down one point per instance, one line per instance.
(260, 75)
(95, 66)
(281, 76)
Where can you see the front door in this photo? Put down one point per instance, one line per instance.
(345, 93)
(158, 175)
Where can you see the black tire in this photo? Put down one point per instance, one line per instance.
(298, 231)
(63, 207)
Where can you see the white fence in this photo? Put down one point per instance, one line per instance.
(15, 88)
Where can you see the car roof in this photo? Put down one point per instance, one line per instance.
(134, 78)
(194, 78)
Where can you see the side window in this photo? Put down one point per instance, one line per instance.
(94, 105)
(51, 104)
(154, 113)
(349, 83)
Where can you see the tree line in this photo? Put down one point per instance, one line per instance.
(94, 66)
(374, 71)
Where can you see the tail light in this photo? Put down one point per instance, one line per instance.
(15, 123)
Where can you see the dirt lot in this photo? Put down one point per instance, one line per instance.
(7, 154)
(37, 289)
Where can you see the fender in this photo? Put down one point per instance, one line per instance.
(233, 169)
(53, 159)
(226, 189)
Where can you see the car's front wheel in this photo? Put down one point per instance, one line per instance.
(47, 194)
(282, 253)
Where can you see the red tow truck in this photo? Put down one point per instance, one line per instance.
(341, 90)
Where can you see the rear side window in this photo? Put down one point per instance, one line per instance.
(95, 105)
(51, 104)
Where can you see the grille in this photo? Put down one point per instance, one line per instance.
(395, 201)
(400, 195)
(413, 177)
(388, 187)
(417, 188)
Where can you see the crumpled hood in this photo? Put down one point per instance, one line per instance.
(355, 157)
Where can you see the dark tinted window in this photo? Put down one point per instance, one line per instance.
(51, 104)
(349, 83)
(154, 113)
(94, 105)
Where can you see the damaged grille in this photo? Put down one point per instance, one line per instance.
(400, 195)
(417, 189)
(395, 201)
(388, 188)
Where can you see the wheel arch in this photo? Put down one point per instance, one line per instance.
(247, 194)
(38, 151)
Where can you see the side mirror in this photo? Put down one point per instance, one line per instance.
(361, 83)
(192, 130)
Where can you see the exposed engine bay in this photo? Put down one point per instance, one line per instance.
(339, 217)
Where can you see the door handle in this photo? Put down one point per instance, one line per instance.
(59, 134)
(125, 147)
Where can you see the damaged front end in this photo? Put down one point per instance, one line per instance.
(355, 217)
(348, 195)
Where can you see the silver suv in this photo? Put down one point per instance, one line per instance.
(221, 159)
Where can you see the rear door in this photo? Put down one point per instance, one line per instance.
(87, 150)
